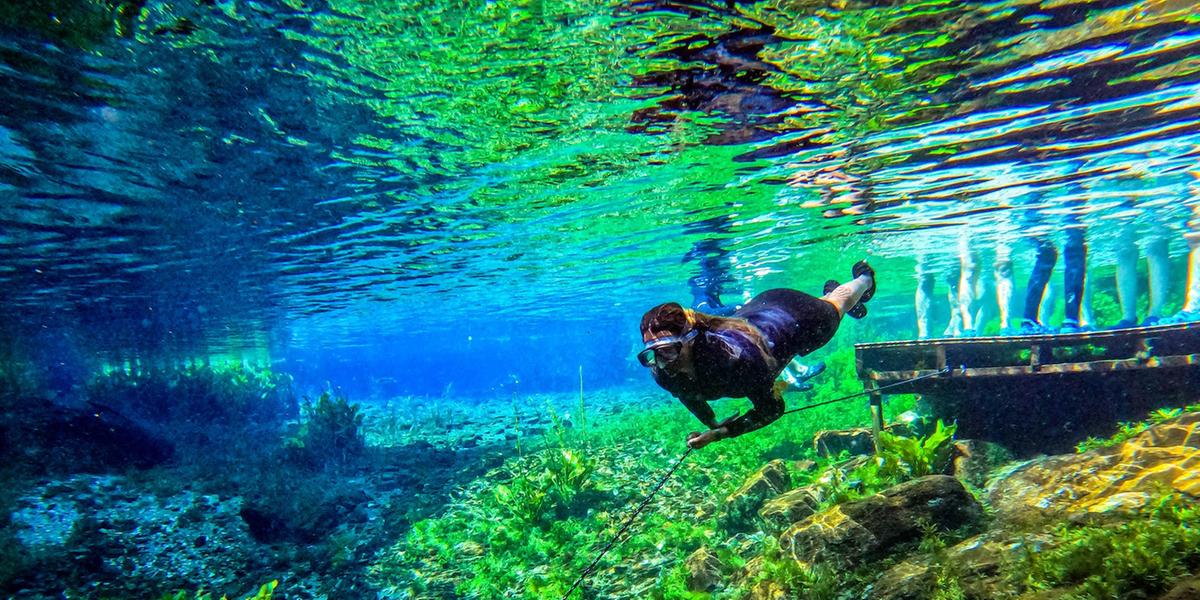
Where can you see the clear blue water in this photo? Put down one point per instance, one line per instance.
(477, 200)
(283, 180)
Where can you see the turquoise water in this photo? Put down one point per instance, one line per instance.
(477, 200)
(193, 178)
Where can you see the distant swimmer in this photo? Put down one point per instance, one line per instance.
(699, 357)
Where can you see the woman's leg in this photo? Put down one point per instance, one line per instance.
(923, 300)
(968, 281)
(1192, 300)
(845, 296)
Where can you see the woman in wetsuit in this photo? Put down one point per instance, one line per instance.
(700, 357)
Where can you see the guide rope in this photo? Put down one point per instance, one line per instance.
(632, 516)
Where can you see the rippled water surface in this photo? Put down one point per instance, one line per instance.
(184, 175)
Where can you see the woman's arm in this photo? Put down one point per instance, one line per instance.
(768, 407)
(701, 408)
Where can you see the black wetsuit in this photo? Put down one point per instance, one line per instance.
(728, 364)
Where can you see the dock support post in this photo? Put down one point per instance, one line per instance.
(876, 415)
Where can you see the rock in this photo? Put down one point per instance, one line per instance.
(831, 443)
(976, 564)
(742, 505)
(703, 570)
(768, 590)
(48, 439)
(783, 511)
(905, 581)
(871, 527)
(759, 588)
(1118, 479)
(1188, 589)
(856, 441)
(804, 466)
(975, 459)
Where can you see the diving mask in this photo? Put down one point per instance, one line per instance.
(664, 349)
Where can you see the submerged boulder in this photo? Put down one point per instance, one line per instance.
(703, 570)
(783, 511)
(976, 564)
(1121, 478)
(974, 460)
(1188, 589)
(42, 438)
(873, 526)
(742, 505)
(831, 443)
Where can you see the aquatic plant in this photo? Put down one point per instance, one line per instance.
(530, 527)
(199, 407)
(900, 458)
(265, 592)
(331, 433)
(791, 578)
(550, 483)
(1127, 430)
(1144, 554)
(908, 457)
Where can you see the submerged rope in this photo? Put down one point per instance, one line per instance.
(625, 527)
(942, 371)
(629, 521)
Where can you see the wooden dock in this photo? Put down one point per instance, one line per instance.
(1040, 393)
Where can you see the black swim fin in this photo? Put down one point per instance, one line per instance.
(862, 268)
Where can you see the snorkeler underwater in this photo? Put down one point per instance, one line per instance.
(599, 299)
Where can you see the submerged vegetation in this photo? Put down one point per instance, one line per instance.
(525, 526)
(330, 432)
(1142, 555)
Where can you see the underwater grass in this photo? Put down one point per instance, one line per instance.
(1128, 430)
(1144, 555)
(531, 526)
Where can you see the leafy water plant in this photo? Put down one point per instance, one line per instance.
(900, 458)
(909, 457)
(1145, 554)
(223, 408)
(786, 577)
(331, 433)
(529, 528)
(1130, 429)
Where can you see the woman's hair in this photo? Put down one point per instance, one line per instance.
(666, 319)
(673, 319)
